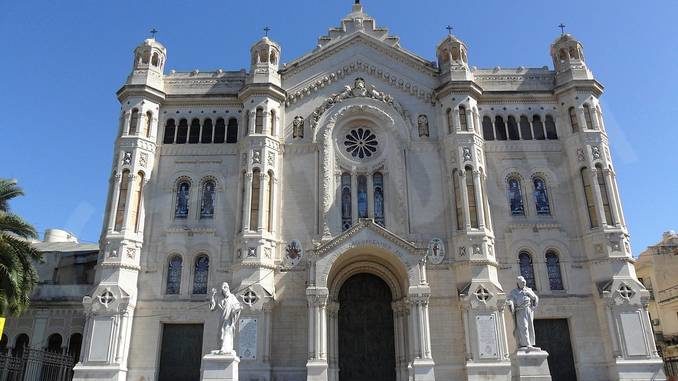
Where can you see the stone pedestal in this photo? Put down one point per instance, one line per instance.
(530, 364)
(219, 367)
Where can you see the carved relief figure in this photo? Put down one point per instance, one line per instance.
(298, 127)
(422, 125)
(230, 311)
(522, 302)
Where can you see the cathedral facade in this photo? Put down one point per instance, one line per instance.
(371, 210)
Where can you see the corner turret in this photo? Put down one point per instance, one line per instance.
(568, 59)
(149, 63)
(265, 56)
(452, 57)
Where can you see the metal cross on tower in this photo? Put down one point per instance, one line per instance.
(153, 33)
(562, 28)
(266, 30)
(449, 29)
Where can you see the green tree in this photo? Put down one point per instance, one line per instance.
(18, 278)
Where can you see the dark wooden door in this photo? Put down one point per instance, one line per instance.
(553, 336)
(366, 343)
(180, 352)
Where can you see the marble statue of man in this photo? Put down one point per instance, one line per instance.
(522, 301)
(230, 311)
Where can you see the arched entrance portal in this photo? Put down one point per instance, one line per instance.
(366, 333)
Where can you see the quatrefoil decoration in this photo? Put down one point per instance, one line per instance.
(361, 143)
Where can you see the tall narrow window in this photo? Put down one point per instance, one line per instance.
(259, 121)
(207, 199)
(201, 275)
(254, 208)
(182, 197)
(182, 131)
(219, 131)
(515, 195)
(588, 194)
(122, 201)
(458, 200)
(174, 268)
(538, 128)
(602, 184)
(587, 117)
(378, 184)
(527, 269)
(135, 212)
(488, 129)
(271, 199)
(273, 123)
(599, 118)
(573, 119)
(541, 198)
(553, 270)
(170, 128)
(513, 133)
(551, 132)
(462, 118)
(500, 128)
(472, 202)
(448, 118)
(362, 197)
(133, 122)
(206, 131)
(148, 123)
(346, 219)
(194, 132)
(246, 130)
(243, 202)
(232, 131)
(525, 128)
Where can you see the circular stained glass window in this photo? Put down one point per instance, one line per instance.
(361, 143)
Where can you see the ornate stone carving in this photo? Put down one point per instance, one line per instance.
(466, 153)
(251, 252)
(462, 251)
(298, 127)
(580, 154)
(422, 125)
(293, 253)
(143, 159)
(106, 298)
(477, 250)
(127, 158)
(131, 252)
(256, 157)
(436, 251)
(595, 152)
(270, 159)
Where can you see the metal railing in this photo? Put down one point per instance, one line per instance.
(671, 367)
(36, 365)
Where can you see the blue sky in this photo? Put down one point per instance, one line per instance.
(64, 60)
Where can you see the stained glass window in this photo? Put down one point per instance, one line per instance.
(181, 209)
(515, 196)
(526, 269)
(361, 143)
(553, 269)
(378, 184)
(174, 275)
(200, 274)
(346, 219)
(541, 198)
(362, 196)
(207, 202)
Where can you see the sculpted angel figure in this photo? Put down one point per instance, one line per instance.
(230, 311)
(522, 302)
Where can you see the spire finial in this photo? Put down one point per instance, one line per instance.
(562, 28)
(153, 33)
(266, 30)
(449, 29)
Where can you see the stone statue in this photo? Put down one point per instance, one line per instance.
(522, 302)
(422, 125)
(298, 127)
(230, 311)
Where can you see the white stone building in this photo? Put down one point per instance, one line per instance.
(371, 209)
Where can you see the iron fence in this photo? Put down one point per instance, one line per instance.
(671, 367)
(36, 365)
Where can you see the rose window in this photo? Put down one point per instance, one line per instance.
(361, 143)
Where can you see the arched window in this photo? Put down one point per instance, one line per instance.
(273, 122)
(573, 119)
(182, 197)
(219, 131)
(346, 219)
(551, 132)
(527, 269)
(541, 198)
(378, 184)
(525, 128)
(174, 269)
(170, 128)
(154, 59)
(232, 131)
(602, 184)
(474, 119)
(500, 128)
(462, 118)
(194, 132)
(20, 345)
(259, 121)
(54, 342)
(538, 128)
(488, 129)
(206, 131)
(562, 55)
(122, 201)
(513, 133)
(450, 125)
(246, 130)
(271, 199)
(201, 274)
(472, 202)
(147, 124)
(256, 190)
(553, 270)
(362, 197)
(135, 212)
(587, 117)
(515, 195)
(599, 117)
(4, 342)
(458, 200)
(74, 345)
(588, 194)
(133, 122)
(207, 199)
(182, 131)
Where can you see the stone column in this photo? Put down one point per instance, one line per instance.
(246, 202)
(252, 116)
(317, 357)
(114, 202)
(598, 198)
(464, 198)
(479, 199)
(611, 197)
(274, 204)
(422, 363)
(263, 205)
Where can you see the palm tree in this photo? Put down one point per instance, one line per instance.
(18, 278)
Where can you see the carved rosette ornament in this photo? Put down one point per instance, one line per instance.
(293, 253)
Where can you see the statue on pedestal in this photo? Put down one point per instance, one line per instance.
(522, 302)
(230, 311)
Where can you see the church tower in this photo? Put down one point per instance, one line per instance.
(110, 307)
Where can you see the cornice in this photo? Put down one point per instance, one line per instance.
(142, 91)
(262, 89)
(586, 85)
(458, 87)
